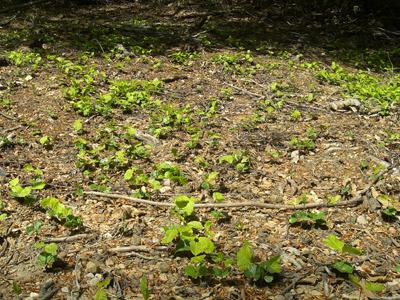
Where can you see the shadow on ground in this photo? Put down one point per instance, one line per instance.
(156, 28)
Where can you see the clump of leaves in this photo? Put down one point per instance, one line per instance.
(48, 254)
(308, 218)
(257, 271)
(25, 191)
(341, 247)
(373, 91)
(194, 238)
(305, 144)
(183, 57)
(237, 63)
(21, 58)
(56, 209)
(166, 170)
(101, 293)
(239, 159)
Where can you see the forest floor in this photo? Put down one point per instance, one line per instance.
(284, 127)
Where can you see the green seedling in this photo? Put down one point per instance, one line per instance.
(240, 160)
(183, 58)
(34, 228)
(169, 171)
(144, 288)
(20, 58)
(48, 254)
(339, 246)
(46, 141)
(261, 271)
(210, 180)
(58, 210)
(101, 293)
(308, 218)
(295, 115)
(389, 213)
(374, 92)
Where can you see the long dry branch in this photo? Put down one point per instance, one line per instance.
(352, 202)
(357, 199)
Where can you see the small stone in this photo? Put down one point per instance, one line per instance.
(33, 295)
(65, 290)
(164, 267)
(95, 280)
(163, 278)
(295, 156)
(362, 220)
(92, 267)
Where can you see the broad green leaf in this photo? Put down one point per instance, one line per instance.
(201, 245)
(77, 125)
(220, 272)
(34, 228)
(227, 158)
(333, 242)
(268, 278)
(14, 182)
(185, 204)
(104, 283)
(355, 279)
(38, 186)
(253, 272)
(128, 174)
(20, 192)
(39, 245)
(51, 249)
(198, 259)
(192, 271)
(100, 294)
(352, 250)
(334, 199)
(244, 256)
(273, 265)
(195, 225)
(218, 197)
(144, 288)
(170, 234)
(3, 217)
(343, 267)
(374, 286)
(397, 269)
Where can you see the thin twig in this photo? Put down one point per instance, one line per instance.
(293, 103)
(11, 129)
(6, 116)
(139, 255)
(352, 202)
(357, 199)
(69, 238)
(130, 248)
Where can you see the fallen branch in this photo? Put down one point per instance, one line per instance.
(6, 116)
(129, 248)
(11, 129)
(68, 238)
(357, 199)
(352, 202)
(139, 256)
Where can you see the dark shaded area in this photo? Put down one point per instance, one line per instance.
(357, 31)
